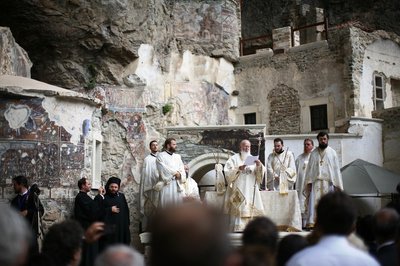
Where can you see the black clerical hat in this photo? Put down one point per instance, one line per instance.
(113, 180)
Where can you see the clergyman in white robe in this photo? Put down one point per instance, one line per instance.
(243, 199)
(281, 171)
(323, 174)
(148, 197)
(301, 166)
(171, 190)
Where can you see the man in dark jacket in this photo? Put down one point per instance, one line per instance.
(86, 212)
(27, 202)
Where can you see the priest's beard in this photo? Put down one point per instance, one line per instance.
(323, 146)
(244, 154)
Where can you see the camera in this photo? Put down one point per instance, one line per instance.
(35, 189)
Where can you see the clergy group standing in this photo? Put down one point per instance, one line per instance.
(164, 180)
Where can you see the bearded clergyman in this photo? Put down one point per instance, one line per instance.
(322, 175)
(243, 199)
(148, 197)
(281, 168)
(301, 167)
(172, 175)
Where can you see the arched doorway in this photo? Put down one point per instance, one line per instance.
(202, 170)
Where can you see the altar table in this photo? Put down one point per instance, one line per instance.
(283, 210)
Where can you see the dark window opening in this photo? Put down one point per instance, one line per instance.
(379, 92)
(250, 118)
(319, 117)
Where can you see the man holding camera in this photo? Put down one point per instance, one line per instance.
(27, 202)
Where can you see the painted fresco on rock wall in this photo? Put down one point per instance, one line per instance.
(124, 99)
(32, 145)
(209, 104)
(134, 137)
(136, 132)
(204, 22)
(72, 156)
(26, 119)
(39, 161)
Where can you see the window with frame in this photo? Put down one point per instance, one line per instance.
(319, 117)
(250, 118)
(379, 92)
(395, 85)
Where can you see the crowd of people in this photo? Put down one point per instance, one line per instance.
(185, 231)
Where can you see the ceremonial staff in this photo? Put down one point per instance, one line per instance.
(255, 175)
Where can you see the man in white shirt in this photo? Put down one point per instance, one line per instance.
(336, 216)
(322, 175)
(301, 166)
(148, 197)
(172, 175)
(281, 168)
(243, 199)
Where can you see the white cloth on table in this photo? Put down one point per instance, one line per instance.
(283, 210)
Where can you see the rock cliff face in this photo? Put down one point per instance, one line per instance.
(78, 43)
(13, 59)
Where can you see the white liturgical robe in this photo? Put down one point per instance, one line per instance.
(148, 196)
(243, 199)
(301, 166)
(171, 190)
(323, 172)
(281, 171)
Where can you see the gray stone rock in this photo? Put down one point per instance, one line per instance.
(13, 58)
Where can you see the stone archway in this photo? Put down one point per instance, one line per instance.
(200, 168)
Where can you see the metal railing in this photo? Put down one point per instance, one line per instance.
(268, 38)
(325, 30)
(266, 41)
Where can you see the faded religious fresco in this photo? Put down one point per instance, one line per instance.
(32, 145)
(134, 135)
(202, 96)
(204, 22)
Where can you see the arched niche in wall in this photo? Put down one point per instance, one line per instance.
(201, 167)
